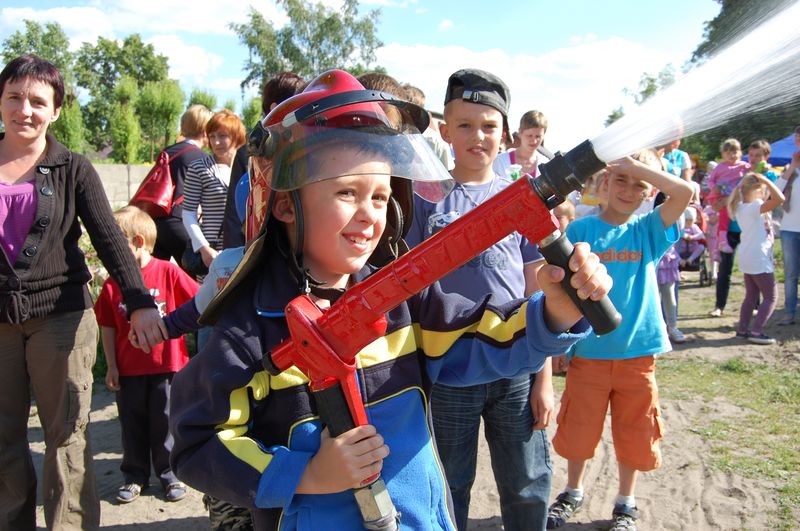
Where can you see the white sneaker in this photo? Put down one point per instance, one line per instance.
(676, 336)
(761, 339)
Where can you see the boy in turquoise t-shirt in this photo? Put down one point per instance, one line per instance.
(619, 368)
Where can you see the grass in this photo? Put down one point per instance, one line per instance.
(761, 441)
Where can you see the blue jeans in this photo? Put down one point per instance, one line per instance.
(790, 243)
(520, 456)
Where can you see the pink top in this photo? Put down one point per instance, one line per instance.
(18, 204)
(721, 182)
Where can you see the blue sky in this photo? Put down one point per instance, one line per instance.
(571, 59)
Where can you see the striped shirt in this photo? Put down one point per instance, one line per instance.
(204, 191)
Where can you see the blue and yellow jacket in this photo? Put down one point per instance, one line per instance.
(246, 436)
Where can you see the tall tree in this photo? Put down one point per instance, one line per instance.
(48, 42)
(315, 39)
(126, 133)
(99, 68)
(159, 106)
(68, 129)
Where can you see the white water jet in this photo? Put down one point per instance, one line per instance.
(759, 71)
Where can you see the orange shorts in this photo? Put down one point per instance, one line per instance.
(636, 427)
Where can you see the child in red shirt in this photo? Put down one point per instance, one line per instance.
(141, 380)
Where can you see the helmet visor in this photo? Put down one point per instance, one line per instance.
(304, 152)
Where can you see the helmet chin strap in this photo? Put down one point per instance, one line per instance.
(306, 283)
(388, 250)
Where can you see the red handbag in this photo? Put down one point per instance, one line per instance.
(155, 194)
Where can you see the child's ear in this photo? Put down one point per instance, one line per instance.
(444, 131)
(283, 207)
(137, 241)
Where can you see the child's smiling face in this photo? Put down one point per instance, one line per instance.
(624, 194)
(344, 217)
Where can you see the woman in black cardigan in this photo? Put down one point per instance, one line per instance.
(48, 334)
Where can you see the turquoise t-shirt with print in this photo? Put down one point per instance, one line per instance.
(631, 253)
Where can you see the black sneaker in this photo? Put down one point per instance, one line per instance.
(624, 518)
(561, 510)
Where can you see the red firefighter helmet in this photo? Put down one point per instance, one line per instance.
(288, 150)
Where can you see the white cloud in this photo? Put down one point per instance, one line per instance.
(445, 25)
(73, 20)
(123, 17)
(576, 86)
(186, 62)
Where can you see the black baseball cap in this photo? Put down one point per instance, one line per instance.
(478, 86)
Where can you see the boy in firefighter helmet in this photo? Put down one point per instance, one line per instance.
(334, 169)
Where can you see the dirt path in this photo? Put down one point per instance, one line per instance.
(686, 493)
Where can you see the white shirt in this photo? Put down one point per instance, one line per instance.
(755, 249)
(791, 219)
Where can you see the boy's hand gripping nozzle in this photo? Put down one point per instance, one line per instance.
(324, 345)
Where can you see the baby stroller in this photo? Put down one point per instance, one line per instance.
(692, 257)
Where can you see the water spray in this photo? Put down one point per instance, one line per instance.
(757, 72)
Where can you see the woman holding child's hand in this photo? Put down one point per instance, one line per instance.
(344, 462)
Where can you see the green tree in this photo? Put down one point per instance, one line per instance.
(316, 38)
(99, 68)
(159, 106)
(735, 18)
(126, 133)
(202, 97)
(48, 42)
(230, 104)
(650, 84)
(251, 113)
(68, 129)
(614, 115)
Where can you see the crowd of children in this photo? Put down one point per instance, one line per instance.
(340, 178)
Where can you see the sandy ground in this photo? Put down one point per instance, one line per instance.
(686, 493)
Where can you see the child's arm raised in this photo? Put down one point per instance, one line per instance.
(776, 197)
(678, 192)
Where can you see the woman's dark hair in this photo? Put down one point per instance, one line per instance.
(30, 66)
(281, 87)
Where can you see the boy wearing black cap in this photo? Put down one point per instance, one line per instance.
(475, 112)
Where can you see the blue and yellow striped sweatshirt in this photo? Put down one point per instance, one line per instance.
(246, 436)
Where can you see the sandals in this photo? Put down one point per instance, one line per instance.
(175, 492)
(128, 492)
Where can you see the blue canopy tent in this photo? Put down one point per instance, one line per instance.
(782, 151)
